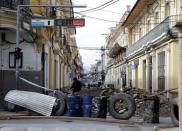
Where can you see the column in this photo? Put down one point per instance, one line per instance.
(127, 75)
(167, 72)
(154, 76)
(180, 78)
(62, 75)
(148, 73)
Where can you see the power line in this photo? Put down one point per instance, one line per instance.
(117, 22)
(97, 6)
(106, 6)
(109, 11)
(97, 18)
(88, 48)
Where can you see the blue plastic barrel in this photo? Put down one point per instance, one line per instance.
(86, 105)
(74, 106)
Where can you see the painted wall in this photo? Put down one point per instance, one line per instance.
(171, 50)
(31, 58)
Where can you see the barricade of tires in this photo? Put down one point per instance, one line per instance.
(120, 106)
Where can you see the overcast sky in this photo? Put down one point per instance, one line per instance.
(92, 34)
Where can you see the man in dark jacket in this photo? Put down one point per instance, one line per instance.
(76, 85)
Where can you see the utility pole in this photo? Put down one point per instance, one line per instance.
(19, 7)
(17, 44)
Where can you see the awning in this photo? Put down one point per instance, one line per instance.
(115, 50)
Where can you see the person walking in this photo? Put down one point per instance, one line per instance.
(76, 85)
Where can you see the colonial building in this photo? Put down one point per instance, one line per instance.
(153, 49)
(117, 43)
(49, 55)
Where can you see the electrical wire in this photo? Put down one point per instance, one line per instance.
(100, 8)
(118, 22)
(97, 18)
(109, 11)
(97, 6)
(88, 48)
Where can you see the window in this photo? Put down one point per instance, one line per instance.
(12, 60)
(148, 25)
(161, 71)
(156, 18)
(140, 32)
(167, 9)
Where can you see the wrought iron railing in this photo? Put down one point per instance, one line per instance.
(157, 31)
(110, 62)
(12, 4)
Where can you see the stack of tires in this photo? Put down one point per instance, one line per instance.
(99, 107)
(60, 107)
(120, 106)
(151, 111)
(174, 105)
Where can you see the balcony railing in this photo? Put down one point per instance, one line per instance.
(110, 62)
(12, 4)
(157, 31)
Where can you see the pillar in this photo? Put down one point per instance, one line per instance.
(167, 61)
(180, 79)
(148, 73)
(154, 75)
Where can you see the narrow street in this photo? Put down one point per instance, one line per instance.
(70, 65)
(81, 124)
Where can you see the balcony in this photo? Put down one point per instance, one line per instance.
(110, 62)
(165, 27)
(12, 4)
(115, 50)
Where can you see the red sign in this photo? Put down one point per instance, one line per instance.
(70, 22)
(78, 22)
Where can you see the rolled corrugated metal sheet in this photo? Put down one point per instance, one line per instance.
(42, 104)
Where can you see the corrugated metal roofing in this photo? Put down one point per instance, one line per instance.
(37, 102)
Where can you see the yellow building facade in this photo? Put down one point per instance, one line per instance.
(153, 49)
(50, 54)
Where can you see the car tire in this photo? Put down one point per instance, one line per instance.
(131, 107)
(10, 106)
(174, 106)
(60, 107)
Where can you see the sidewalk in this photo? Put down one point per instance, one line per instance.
(7, 113)
(164, 125)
